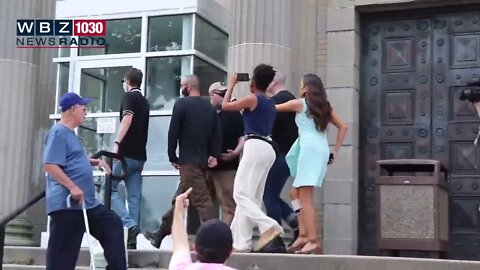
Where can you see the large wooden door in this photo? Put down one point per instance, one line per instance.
(412, 72)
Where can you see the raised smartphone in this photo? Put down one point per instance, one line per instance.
(243, 77)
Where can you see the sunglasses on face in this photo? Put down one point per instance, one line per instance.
(220, 93)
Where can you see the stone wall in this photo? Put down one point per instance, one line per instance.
(29, 77)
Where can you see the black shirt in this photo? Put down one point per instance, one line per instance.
(134, 143)
(231, 123)
(195, 127)
(285, 131)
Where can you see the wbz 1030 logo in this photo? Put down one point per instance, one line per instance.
(61, 33)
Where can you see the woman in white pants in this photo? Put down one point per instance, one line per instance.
(258, 156)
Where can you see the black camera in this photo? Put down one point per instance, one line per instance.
(471, 94)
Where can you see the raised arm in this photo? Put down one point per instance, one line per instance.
(295, 105)
(248, 102)
(342, 131)
(181, 250)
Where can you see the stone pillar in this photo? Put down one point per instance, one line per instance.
(304, 41)
(342, 82)
(308, 25)
(260, 33)
(19, 74)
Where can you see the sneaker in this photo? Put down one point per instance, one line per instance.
(275, 246)
(156, 237)
(267, 237)
(132, 237)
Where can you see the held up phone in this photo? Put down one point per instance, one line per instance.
(243, 77)
(330, 158)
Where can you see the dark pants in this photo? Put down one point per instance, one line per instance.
(277, 208)
(220, 184)
(194, 176)
(66, 233)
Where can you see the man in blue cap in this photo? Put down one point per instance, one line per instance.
(69, 172)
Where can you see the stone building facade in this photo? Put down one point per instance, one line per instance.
(331, 38)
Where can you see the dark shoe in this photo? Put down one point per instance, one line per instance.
(275, 246)
(156, 237)
(132, 237)
(296, 233)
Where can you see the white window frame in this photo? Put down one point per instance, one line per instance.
(136, 59)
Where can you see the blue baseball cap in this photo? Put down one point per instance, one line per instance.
(69, 100)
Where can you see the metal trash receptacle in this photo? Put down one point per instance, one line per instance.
(412, 210)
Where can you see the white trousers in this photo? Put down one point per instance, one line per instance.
(258, 157)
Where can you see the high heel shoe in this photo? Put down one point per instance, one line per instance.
(311, 248)
(297, 245)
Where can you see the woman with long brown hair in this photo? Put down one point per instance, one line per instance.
(309, 156)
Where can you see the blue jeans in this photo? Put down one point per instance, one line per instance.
(133, 185)
(275, 206)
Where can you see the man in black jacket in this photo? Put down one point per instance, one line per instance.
(284, 133)
(194, 127)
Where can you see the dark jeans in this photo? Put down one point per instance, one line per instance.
(277, 208)
(66, 233)
(194, 176)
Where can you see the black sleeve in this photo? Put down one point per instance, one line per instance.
(239, 128)
(216, 137)
(174, 131)
(128, 104)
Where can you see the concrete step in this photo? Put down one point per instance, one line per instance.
(33, 267)
(35, 257)
(41, 267)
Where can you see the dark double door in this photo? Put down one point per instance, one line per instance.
(413, 70)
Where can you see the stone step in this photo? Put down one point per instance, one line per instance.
(35, 257)
(33, 267)
(41, 267)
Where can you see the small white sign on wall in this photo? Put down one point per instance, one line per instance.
(106, 125)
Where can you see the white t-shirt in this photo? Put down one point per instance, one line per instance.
(183, 261)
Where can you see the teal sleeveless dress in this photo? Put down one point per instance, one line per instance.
(308, 156)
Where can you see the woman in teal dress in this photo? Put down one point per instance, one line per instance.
(309, 155)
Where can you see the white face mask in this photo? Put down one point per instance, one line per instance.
(125, 87)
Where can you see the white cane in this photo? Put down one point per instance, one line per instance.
(87, 228)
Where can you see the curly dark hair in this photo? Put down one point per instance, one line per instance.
(262, 76)
(318, 106)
